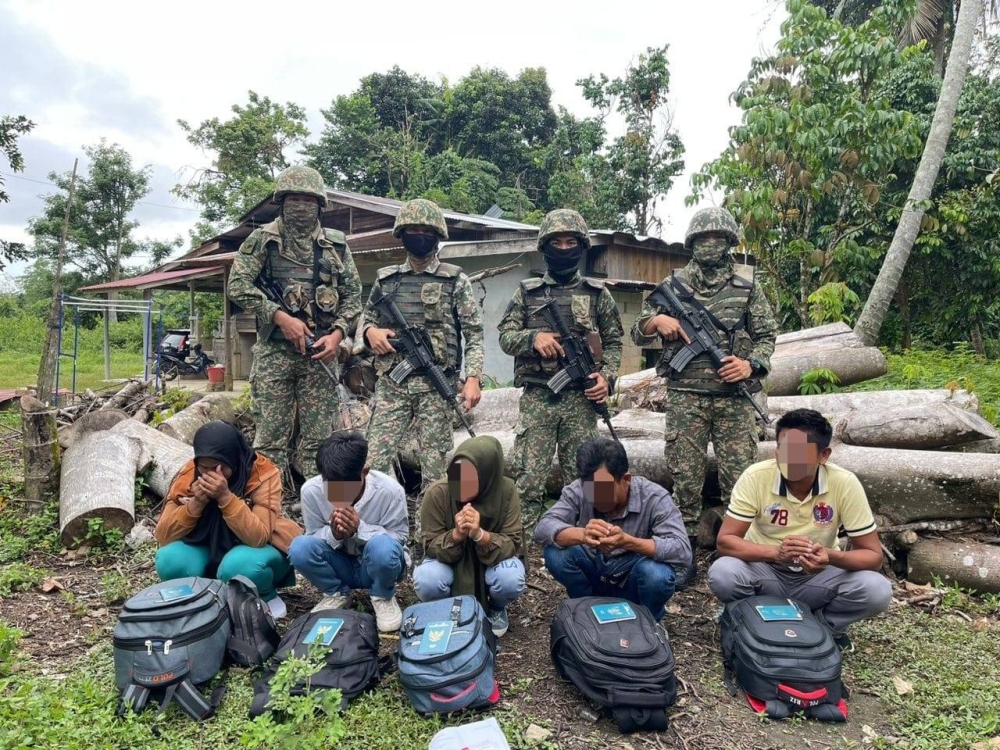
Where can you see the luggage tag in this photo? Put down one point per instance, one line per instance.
(436, 637)
(171, 593)
(778, 612)
(324, 630)
(615, 612)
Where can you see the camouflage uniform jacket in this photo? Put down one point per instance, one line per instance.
(335, 257)
(465, 311)
(518, 340)
(761, 330)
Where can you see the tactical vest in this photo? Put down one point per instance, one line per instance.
(577, 303)
(309, 286)
(427, 300)
(730, 305)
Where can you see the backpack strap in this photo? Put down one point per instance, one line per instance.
(136, 697)
(191, 701)
(631, 719)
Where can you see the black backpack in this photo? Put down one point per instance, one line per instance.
(786, 664)
(254, 636)
(625, 665)
(170, 638)
(352, 663)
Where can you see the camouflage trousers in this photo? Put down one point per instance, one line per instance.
(284, 384)
(547, 421)
(410, 409)
(692, 420)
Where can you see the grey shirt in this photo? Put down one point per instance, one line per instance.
(382, 509)
(650, 514)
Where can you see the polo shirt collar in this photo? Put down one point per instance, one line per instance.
(820, 484)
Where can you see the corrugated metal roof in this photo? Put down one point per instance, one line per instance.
(153, 279)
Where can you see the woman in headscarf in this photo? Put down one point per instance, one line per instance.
(222, 517)
(471, 524)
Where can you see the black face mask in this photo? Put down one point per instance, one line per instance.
(420, 245)
(562, 262)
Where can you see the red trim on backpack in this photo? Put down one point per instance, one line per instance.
(756, 704)
(842, 707)
(800, 698)
(442, 699)
(495, 695)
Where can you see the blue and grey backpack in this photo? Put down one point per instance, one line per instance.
(446, 656)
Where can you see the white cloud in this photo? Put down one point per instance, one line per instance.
(128, 71)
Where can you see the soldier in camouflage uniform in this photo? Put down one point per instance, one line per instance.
(437, 297)
(701, 402)
(322, 290)
(567, 419)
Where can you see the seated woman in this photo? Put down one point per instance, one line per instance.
(471, 524)
(222, 517)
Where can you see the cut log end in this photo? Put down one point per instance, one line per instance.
(76, 530)
(970, 565)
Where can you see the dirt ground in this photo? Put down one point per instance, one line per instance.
(64, 624)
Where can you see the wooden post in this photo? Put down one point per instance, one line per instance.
(47, 366)
(192, 321)
(41, 453)
(227, 314)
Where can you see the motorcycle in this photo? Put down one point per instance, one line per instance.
(170, 365)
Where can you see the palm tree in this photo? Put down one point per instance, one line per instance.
(872, 316)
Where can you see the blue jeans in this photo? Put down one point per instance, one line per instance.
(432, 580)
(333, 571)
(585, 572)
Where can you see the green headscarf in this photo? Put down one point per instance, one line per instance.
(496, 492)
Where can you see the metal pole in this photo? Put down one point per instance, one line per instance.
(76, 345)
(55, 397)
(107, 344)
(147, 321)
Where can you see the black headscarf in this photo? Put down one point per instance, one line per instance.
(223, 443)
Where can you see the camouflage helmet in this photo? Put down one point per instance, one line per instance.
(420, 212)
(712, 220)
(563, 221)
(300, 180)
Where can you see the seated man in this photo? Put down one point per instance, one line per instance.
(612, 534)
(779, 535)
(356, 528)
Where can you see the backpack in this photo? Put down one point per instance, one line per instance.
(170, 638)
(352, 664)
(446, 656)
(783, 657)
(254, 635)
(618, 656)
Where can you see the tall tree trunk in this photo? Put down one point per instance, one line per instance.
(47, 367)
(877, 305)
(116, 274)
(976, 334)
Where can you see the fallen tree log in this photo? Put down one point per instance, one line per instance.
(161, 455)
(126, 394)
(831, 404)
(967, 564)
(40, 452)
(98, 481)
(185, 423)
(976, 446)
(914, 427)
(92, 421)
(852, 365)
(497, 409)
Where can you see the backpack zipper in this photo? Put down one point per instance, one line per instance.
(144, 644)
(130, 616)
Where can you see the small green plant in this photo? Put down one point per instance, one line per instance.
(819, 380)
(18, 576)
(76, 607)
(101, 537)
(9, 640)
(32, 532)
(833, 303)
(304, 722)
(115, 588)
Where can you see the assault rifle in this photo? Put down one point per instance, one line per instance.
(273, 291)
(696, 322)
(578, 362)
(418, 354)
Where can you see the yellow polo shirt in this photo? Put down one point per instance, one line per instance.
(837, 499)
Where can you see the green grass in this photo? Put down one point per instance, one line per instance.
(78, 713)
(939, 368)
(954, 669)
(22, 339)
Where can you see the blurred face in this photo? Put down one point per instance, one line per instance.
(606, 493)
(205, 465)
(463, 476)
(345, 493)
(799, 459)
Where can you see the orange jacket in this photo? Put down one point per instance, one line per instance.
(256, 519)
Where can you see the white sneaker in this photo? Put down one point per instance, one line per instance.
(277, 608)
(388, 615)
(333, 601)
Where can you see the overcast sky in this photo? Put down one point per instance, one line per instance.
(128, 71)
